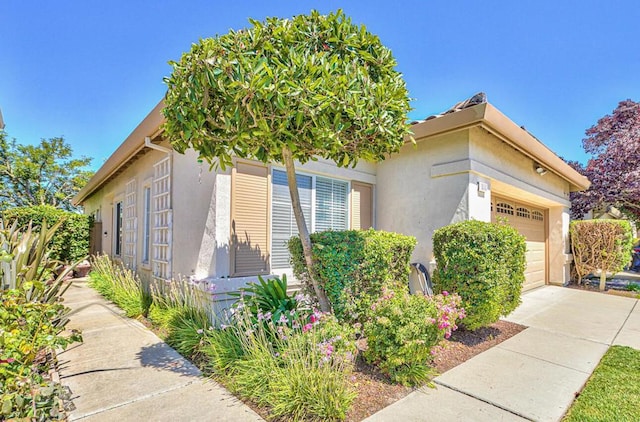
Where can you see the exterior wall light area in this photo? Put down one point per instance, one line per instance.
(540, 170)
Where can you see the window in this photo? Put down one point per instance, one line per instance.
(537, 215)
(118, 226)
(324, 205)
(283, 222)
(523, 212)
(146, 224)
(504, 208)
(331, 205)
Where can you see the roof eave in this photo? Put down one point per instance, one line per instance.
(492, 119)
(128, 149)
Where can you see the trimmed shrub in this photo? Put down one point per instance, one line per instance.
(353, 266)
(71, 241)
(484, 263)
(403, 329)
(604, 245)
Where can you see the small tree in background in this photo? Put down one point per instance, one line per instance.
(603, 245)
(43, 174)
(614, 170)
(289, 90)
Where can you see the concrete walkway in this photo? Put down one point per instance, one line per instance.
(534, 375)
(123, 372)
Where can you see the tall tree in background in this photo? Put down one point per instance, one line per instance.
(614, 170)
(43, 174)
(289, 90)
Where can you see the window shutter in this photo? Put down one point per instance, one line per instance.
(249, 220)
(331, 204)
(283, 222)
(361, 206)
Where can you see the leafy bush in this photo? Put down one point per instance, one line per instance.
(484, 263)
(30, 333)
(297, 369)
(404, 328)
(604, 245)
(354, 265)
(119, 285)
(25, 262)
(71, 241)
(269, 296)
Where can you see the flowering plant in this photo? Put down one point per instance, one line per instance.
(402, 329)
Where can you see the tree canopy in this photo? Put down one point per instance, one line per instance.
(288, 89)
(614, 169)
(43, 174)
(318, 85)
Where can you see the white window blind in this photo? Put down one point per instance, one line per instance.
(283, 222)
(331, 204)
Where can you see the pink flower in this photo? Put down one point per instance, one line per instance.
(445, 293)
(307, 327)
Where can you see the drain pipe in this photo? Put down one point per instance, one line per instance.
(148, 144)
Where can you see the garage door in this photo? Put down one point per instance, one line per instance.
(530, 222)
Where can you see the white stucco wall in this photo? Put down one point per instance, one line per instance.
(437, 183)
(414, 201)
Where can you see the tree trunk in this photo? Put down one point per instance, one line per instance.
(303, 232)
(603, 279)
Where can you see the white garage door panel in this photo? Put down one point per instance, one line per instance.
(534, 273)
(530, 222)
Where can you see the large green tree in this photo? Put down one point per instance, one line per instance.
(288, 90)
(43, 174)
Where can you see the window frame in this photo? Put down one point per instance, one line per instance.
(118, 228)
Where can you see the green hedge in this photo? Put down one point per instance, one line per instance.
(71, 241)
(484, 263)
(354, 265)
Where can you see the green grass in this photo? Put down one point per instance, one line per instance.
(613, 391)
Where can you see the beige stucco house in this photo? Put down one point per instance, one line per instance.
(166, 214)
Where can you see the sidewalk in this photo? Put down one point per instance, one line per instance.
(123, 372)
(534, 375)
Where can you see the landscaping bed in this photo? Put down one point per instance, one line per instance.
(375, 391)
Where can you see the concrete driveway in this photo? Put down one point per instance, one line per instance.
(534, 375)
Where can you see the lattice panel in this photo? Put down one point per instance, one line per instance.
(162, 220)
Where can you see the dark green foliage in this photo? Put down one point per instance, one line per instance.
(353, 266)
(268, 296)
(484, 263)
(71, 241)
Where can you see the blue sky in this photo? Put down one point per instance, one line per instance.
(91, 70)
